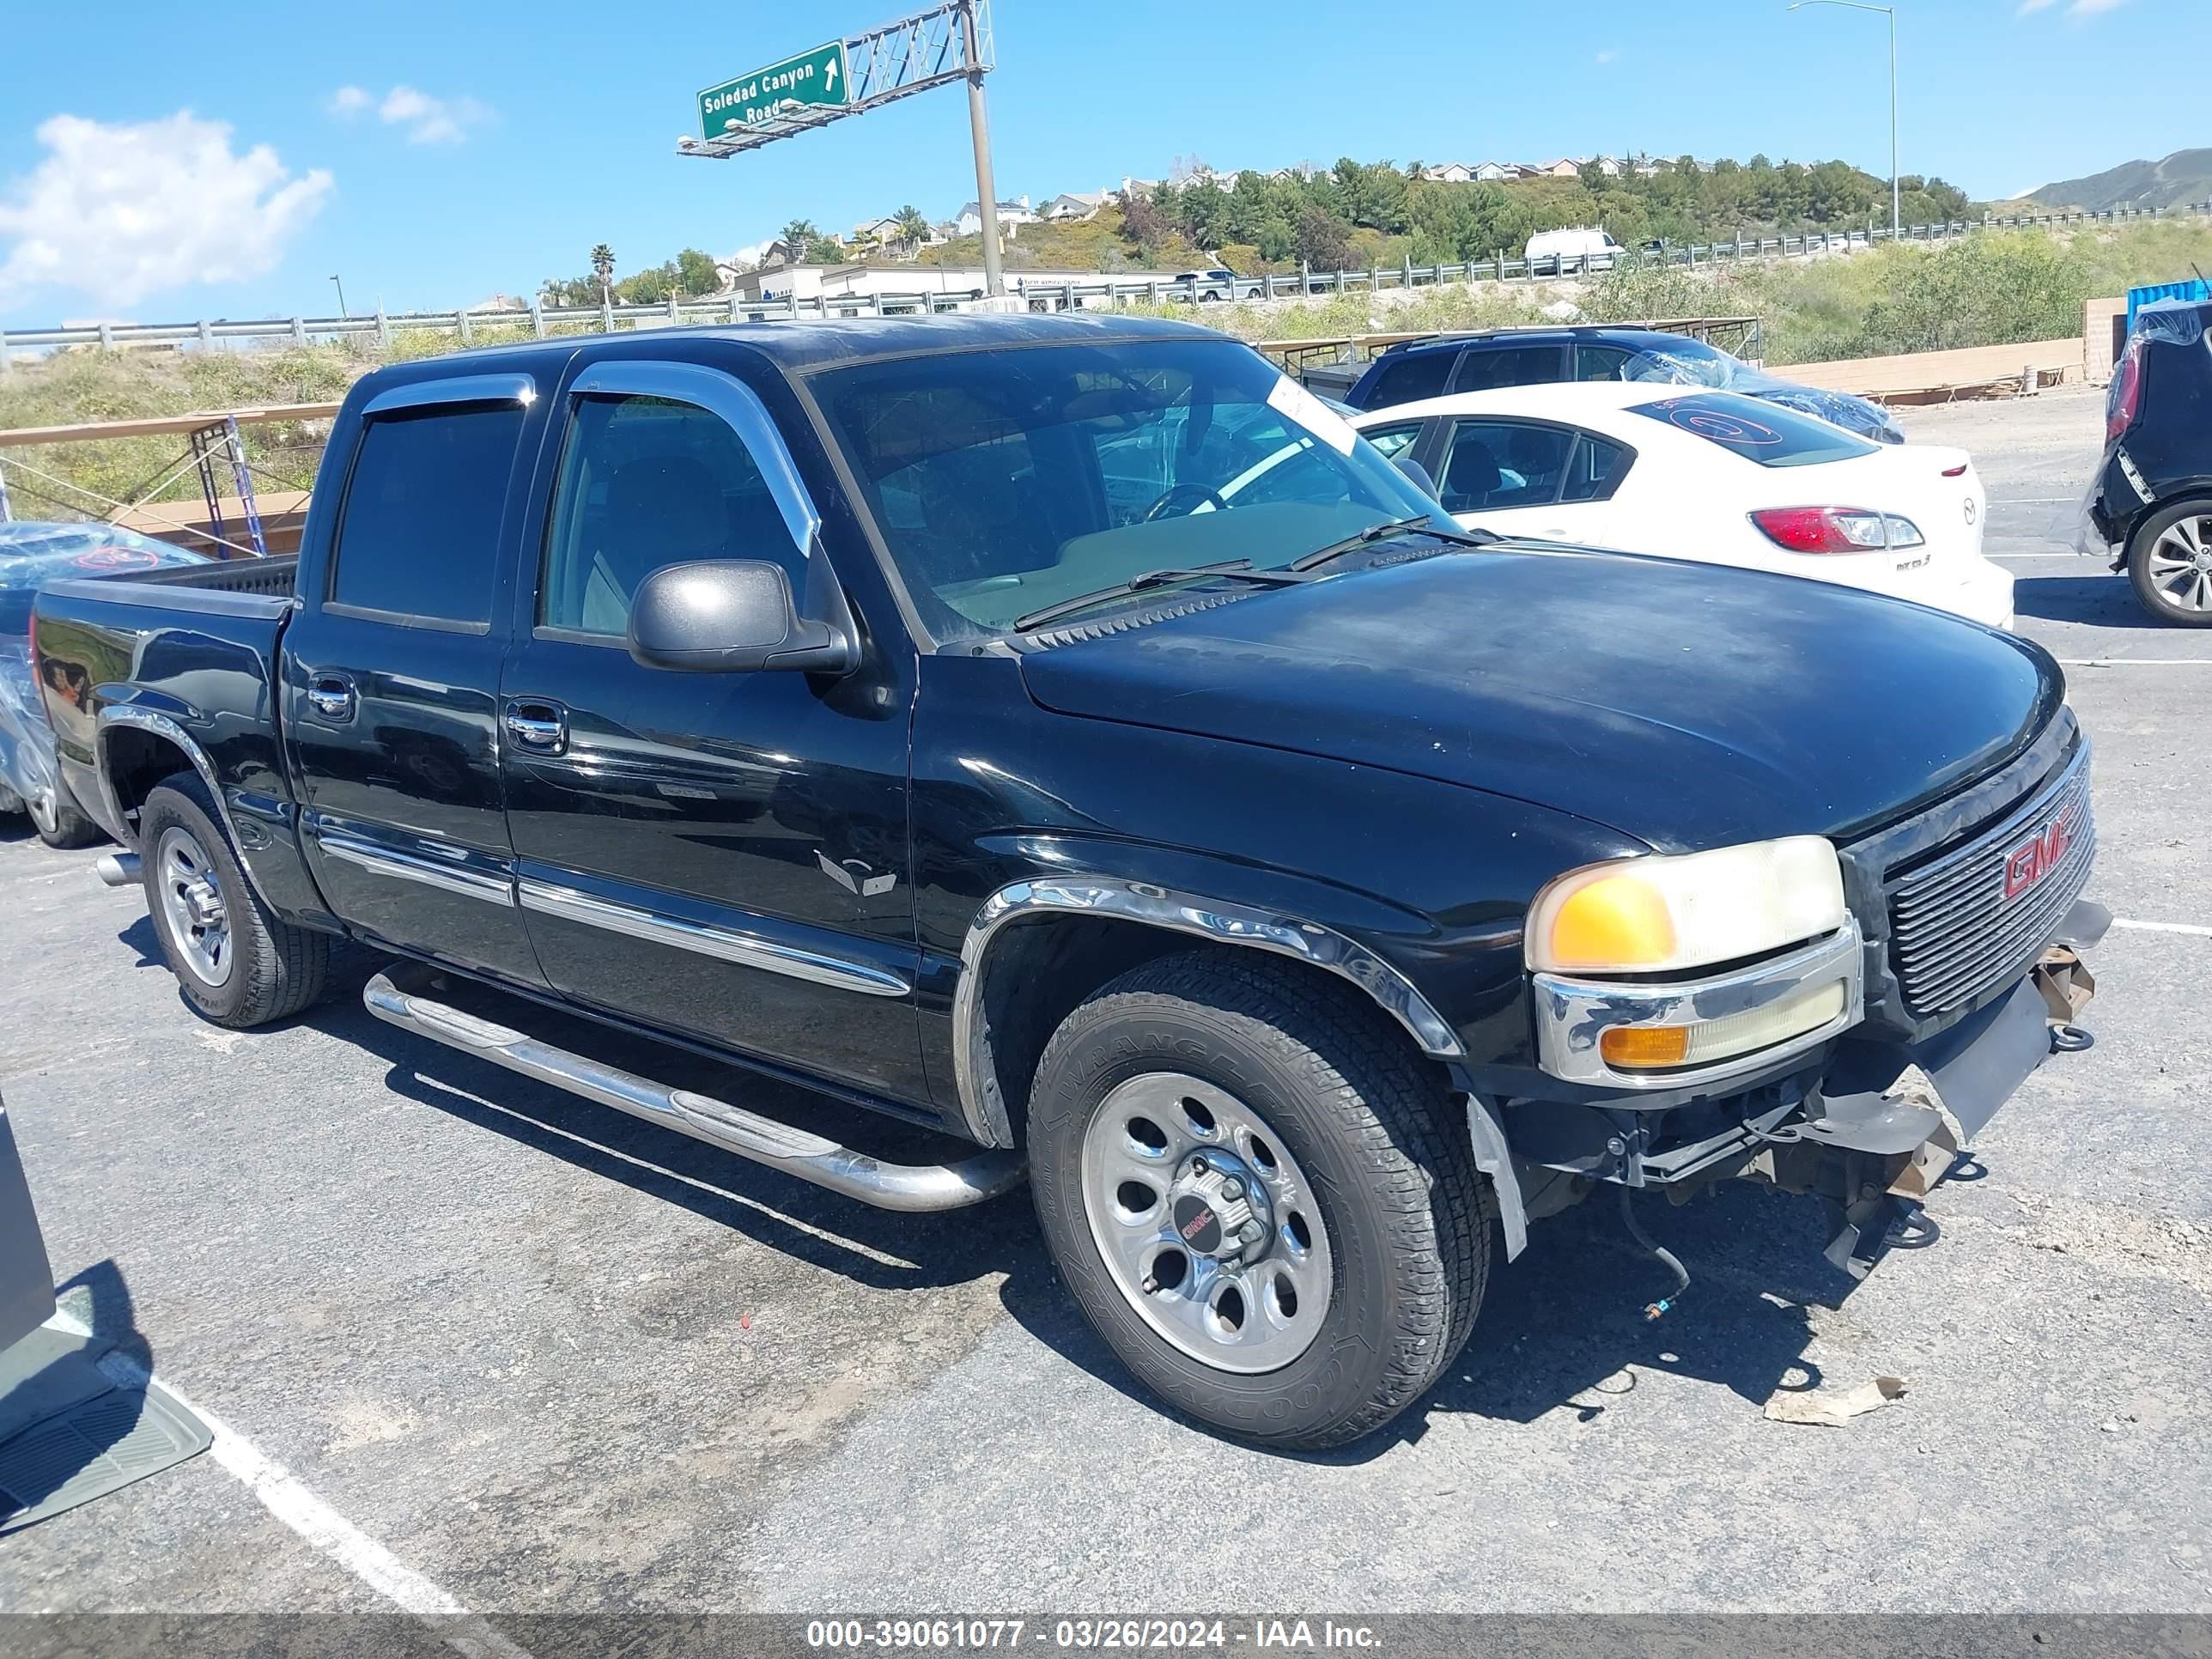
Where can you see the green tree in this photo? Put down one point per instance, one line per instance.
(911, 226)
(696, 273)
(603, 266)
(1324, 241)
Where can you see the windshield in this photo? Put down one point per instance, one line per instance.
(1006, 482)
(1685, 362)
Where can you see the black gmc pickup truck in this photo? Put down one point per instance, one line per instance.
(1066, 733)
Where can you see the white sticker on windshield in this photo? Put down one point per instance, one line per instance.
(1292, 399)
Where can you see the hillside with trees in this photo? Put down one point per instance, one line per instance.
(1359, 213)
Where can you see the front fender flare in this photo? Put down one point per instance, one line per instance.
(1221, 921)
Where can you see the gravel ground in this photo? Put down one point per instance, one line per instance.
(558, 1361)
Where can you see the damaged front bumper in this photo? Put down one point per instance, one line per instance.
(1872, 1126)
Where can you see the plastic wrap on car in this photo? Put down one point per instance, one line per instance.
(2172, 322)
(1852, 413)
(26, 742)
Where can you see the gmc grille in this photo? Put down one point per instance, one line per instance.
(1977, 916)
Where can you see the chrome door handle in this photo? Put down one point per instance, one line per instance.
(331, 696)
(539, 725)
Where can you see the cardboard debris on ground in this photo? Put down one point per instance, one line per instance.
(1833, 1407)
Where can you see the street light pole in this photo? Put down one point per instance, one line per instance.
(1896, 218)
(343, 311)
(979, 131)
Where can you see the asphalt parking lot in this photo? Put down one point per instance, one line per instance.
(545, 1359)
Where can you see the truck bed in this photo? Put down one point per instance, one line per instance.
(188, 656)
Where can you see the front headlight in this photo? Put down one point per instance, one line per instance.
(1666, 913)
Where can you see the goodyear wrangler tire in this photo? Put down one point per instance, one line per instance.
(1258, 1194)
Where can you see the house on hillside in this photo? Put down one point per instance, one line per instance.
(1137, 187)
(1076, 204)
(969, 221)
(1448, 172)
(1610, 166)
(884, 230)
(1564, 167)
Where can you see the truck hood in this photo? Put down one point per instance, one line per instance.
(1687, 705)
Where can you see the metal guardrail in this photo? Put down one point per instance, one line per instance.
(541, 320)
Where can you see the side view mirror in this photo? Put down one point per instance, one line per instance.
(1419, 474)
(731, 617)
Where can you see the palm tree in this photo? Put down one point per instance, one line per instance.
(913, 227)
(603, 269)
(801, 233)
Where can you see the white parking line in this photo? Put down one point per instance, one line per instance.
(2187, 927)
(282, 1494)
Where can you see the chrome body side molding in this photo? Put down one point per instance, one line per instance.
(404, 867)
(749, 950)
(1180, 913)
(910, 1187)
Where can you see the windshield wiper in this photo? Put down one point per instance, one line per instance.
(1240, 568)
(1418, 523)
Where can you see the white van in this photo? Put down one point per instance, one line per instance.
(1570, 253)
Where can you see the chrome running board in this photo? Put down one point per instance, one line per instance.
(795, 1151)
(117, 869)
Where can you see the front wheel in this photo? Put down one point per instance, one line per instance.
(2170, 564)
(1257, 1194)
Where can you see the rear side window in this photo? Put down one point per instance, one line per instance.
(1487, 367)
(419, 535)
(1759, 431)
(1408, 378)
(1500, 463)
(1599, 362)
(1595, 470)
(648, 482)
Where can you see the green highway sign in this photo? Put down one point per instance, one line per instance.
(816, 77)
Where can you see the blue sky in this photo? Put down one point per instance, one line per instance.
(483, 149)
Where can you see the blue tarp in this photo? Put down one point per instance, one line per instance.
(2194, 288)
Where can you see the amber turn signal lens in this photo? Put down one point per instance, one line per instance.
(1643, 1046)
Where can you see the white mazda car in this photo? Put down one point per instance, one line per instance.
(1709, 476)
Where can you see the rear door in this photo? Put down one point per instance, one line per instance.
(722, 855)
(391, 673)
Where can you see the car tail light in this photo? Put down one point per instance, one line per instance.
(2126, 395)
(1958, 471)
(1836, 529)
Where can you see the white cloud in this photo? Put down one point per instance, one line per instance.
(1608, 55)
(2027, 6)
(119, 212)
(2090, 8)
(429, 120)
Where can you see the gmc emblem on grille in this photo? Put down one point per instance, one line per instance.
(2038, 855)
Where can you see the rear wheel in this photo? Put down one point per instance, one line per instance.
(237, 963)
(2170, 564)
(59, 823)
(1257, 1193)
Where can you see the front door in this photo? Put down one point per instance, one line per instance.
(723, 855)
(392, 676)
